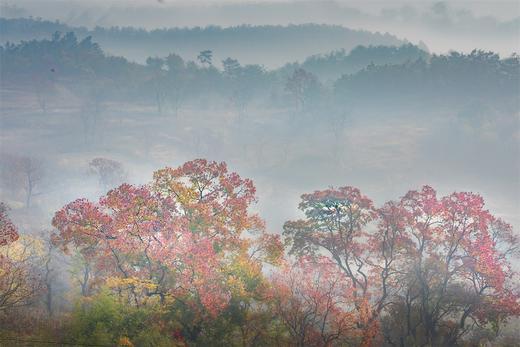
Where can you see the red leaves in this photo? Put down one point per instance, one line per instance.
(81, 223)
(212, 199)
(419, 243)
(8, 232)
(182, 237)
(316, 302)
(178, 231)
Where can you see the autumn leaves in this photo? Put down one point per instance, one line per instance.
(422, 270)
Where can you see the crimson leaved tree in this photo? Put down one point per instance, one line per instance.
(315, 302)
(430, 269)
(173, 239)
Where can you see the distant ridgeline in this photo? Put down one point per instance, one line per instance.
(364, 76)
(270, 46)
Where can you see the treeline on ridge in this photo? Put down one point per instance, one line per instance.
(365, 75)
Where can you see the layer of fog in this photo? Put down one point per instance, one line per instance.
(443, 26)
(383, 156)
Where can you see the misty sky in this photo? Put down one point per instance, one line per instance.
(442, 26)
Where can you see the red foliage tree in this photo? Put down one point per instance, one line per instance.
(8, 232)
(315, 302)
(172, 238)
(446, 261)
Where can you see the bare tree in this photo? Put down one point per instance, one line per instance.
(23, 174)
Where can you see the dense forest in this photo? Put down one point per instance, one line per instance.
(380, 72)
(267, 44)
(113, 233)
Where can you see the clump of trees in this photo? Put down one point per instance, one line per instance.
(427, 271)
(270, 43)
(330, 66)
(176, 243)
(366, 76)
(447, 78)
(182, 261)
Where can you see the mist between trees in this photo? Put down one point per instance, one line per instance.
(113, 233)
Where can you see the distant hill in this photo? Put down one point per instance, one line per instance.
(271, 46)
(373, 75)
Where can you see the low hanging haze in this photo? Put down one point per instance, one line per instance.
(442, 26)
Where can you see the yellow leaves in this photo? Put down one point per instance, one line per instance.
(166, 183)
(24, 248)
(236, 286)
(185, 195)
(244, 276)
(125, 342)
(133, 288)
(133, 282)
(245, 267)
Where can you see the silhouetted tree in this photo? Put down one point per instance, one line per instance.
(205, 57)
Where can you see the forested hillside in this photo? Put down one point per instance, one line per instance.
(267, 45)
(367, 75)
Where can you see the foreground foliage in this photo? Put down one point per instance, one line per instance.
(182, 261)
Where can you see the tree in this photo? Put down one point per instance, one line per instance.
(176, 80)
(458, 273)
(19, 281)
(315, 303)
(329, 67)
(49, 275)
(110, 173)
(174, 63)
(91, 109)
(231, 67)
(444, 263)
(23, 174)
(244, 82)
(205, 57)
(234, 74)
(43, 84)
(105, 320)
(8, 232)
(454, 79)
(301, 85)
(155, 65)
(169, 241)
(335, 223)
